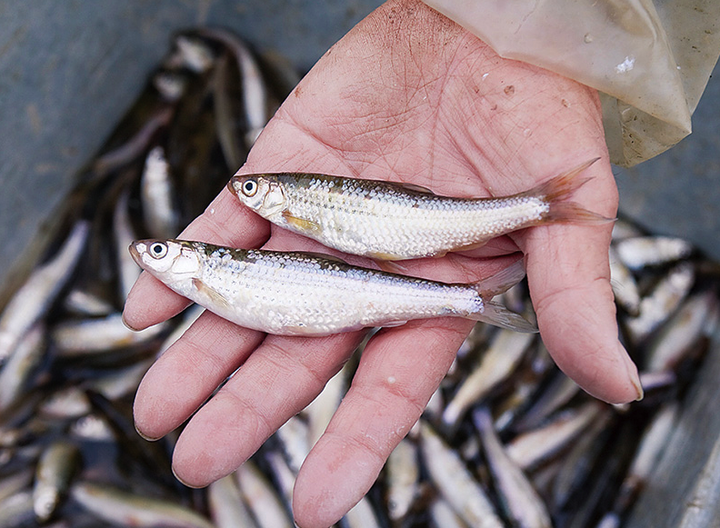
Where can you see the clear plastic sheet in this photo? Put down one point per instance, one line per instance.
(650, 61)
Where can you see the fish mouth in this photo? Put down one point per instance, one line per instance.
(231, 184)
(135, 253)
(235, 184)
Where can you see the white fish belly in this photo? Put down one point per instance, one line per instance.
(279, 297)
(409, 229)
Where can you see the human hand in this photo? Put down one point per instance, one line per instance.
(409, 96)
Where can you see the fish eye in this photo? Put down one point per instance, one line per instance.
(249, 187)
(158, 250)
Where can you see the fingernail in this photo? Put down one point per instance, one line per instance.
(183, 482)
(632, 372)
(145, 437)
(125, 322)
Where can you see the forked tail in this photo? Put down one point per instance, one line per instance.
(556, 191)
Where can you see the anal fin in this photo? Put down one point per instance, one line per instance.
(393, 324)
(469, 247)
(390, 266)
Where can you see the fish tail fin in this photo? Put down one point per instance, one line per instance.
(573, 213)
(494, 313)
(555, 192)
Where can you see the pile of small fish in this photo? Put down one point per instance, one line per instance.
(507, 440)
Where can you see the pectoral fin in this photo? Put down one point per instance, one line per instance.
(213, 296)
(301, 224)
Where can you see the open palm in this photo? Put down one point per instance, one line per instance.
(407, 96)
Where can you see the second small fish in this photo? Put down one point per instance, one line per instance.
(305, 294)
(392, 221)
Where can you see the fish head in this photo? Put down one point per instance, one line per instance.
(166, 258)
(262, 193)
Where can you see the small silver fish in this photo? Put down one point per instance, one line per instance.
(304, 294)
(524, 505)
(65, 404)
(623, 284)
(34, 298)
(575, 466)
(403, 479)
(392, 221)
(122, 381)
(77, 337)
(160, 210)
(654, 441)
(18, 372)
(254, 90)
(171, 85)
(81, 302)
(226, 505)
(127, 509)
(133, 147)
(54, 472)
(530, 449)
(455, 482)
(662, 301)
(262, 499)
(15, 482)
(282, 475)
(557, 392)
(443, 516)
(639, 252)
(294, 438)
(17, 509)
(93, 428)
(124, 234)
(191, 53)
(362, 515)
(674, 341)
(498, 362)
(320, 411)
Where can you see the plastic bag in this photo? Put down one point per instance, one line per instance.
(650, 62)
